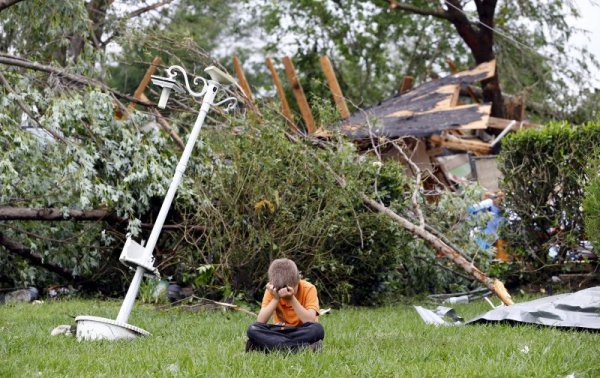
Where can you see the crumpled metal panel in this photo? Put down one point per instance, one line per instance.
(437, 317)
(576, 310)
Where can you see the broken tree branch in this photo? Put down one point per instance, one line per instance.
(493, 284)
(7, 3)
(18, 249)
(79, 79)
(438, 12)
(148, 8)
(417, 172)
(55, 214)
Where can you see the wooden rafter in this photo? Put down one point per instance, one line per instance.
(307, 115)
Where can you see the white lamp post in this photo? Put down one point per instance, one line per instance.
(135, 255)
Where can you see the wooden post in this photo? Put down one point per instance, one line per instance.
(242, 78)
(407, 83)
(285, 107)
(451, 65)
(299, 94)
(334, 87)
(146, 79)
(139, 92)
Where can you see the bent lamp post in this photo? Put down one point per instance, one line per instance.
(135, 255)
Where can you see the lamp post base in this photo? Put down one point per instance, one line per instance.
(97, 328)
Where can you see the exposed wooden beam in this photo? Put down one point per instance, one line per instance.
(453, 143)
(237, 66)
(61, 73)
(146, 79)
(285, 106)
(334, 87)
(501, 124)
(307, 115)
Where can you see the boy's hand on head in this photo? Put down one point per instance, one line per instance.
(286, 292)
(273, 291)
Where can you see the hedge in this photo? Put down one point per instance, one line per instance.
(545, 173)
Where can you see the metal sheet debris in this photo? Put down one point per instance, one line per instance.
(572, 310)
(437, 317)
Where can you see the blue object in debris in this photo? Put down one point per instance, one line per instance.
(492, 225)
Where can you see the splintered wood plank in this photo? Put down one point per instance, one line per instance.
(453, 143)
(407, 84)
(299, 95)
(455, 98)
(285, 107)
(239, 72)
(334, 87)
(451, 65)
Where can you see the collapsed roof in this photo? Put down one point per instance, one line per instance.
(426, 110)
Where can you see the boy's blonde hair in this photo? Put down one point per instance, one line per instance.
(282, 273)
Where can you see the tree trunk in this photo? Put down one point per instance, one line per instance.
(480, 41)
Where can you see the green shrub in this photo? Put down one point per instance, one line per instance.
(591, 207)
(544, 176)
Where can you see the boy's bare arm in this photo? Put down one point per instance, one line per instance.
(305, 315)
(266, 312)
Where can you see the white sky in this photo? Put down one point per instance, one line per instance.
(590, 21)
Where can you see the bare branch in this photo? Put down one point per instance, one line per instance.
(79, 79)
(438, 12)
(18, 249)
(415, 194)
(148, 8)
(7, 3)
(136, 13)
(55, 214)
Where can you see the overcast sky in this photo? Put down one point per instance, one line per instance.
(590, 21)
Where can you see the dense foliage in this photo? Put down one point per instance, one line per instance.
(544, 179)
(591, 206)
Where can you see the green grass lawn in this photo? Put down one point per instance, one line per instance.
(384, 342)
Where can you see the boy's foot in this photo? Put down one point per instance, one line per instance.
(316, 346)
(251, 346)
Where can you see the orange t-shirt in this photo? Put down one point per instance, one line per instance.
(284, 313)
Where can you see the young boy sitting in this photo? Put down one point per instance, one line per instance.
(295, 306)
